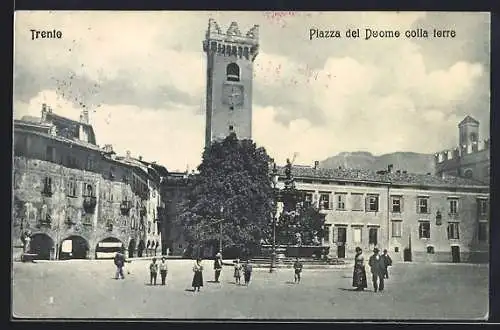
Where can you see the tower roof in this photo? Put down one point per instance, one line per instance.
(467, 120)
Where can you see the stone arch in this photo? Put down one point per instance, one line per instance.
(42, 245)
(131, 248)
(74, 247)
(108, 247)
(233, 72)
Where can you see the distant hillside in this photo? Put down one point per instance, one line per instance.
(404, 161)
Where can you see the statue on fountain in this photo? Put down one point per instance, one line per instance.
(315, 239)
(298, 239)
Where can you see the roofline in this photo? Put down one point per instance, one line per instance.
(388, 183)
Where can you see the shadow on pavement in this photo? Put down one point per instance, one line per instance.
(354, 290)
(213, 282)
(289, 282)
(189, 290)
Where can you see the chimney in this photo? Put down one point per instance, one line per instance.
(44, 112)
(128, 155)
(84, 117)
(140, 157)
(404, 172)
(316, 164)
(398, 171)
(108, 148)
(389, 168)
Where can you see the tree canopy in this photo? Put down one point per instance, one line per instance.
(233, 187)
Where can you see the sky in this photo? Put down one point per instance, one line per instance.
(142, 75)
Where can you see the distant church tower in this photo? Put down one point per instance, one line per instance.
(230, 58)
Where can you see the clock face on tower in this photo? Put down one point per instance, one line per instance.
(232, 95)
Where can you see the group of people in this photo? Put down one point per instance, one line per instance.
(379, 265)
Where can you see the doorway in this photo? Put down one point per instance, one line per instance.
(341, 239)
(455, 254)
(41, 245)
(407, 254)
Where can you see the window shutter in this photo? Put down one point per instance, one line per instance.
(332, 201)
(367, 203)
(401, 204)
(429, 210)
(418, 205)
(335, 234)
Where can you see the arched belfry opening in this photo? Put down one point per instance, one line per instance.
(233, 72)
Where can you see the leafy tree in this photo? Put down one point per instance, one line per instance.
(233, 187)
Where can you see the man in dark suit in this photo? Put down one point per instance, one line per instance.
(377, 266)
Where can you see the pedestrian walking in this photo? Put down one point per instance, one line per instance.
(388, 262)
(119, 261)
(198, 275)
(247, 272)
(377, 265)
(359, 274)
(218, 266)
(237, 271)
(297, 266)
(153, 271)
(163, 270)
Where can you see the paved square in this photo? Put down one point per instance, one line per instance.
(86, 289)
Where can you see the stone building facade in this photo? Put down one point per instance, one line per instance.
(79, 200)
(470, 159)
(415, 217)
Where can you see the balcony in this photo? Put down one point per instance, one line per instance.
(89, 204)
(125, 207)
(453, 216)
(109, 225)
(44, 223)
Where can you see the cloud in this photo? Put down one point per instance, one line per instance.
(144, 72)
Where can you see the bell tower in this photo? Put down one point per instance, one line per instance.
(230, 58)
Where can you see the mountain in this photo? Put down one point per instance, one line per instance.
(404, 161)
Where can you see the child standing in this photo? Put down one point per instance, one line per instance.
(237, 271)
(153, 271)
(163, 270)
(247, 272)
(297, 266)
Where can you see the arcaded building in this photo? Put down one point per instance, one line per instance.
(77, 199)
(415, 217)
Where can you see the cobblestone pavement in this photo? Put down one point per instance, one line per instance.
(86, 289)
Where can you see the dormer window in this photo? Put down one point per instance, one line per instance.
(233, 72)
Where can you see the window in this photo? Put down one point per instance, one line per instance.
(88, 190)
(47, 185)
(482, 232)
(71, 188)
(396, 249)
(326, 234)
(424, 229)
(453, 230)
(356, 234)
(396, 228)
(308, 199)
(430, 249)
(231, 128)
(468, 173)
(357, 202)
(372, 203)
(453, 206)
(397, 204)
(423, 205)
(111, 173)
(50, 154)
(324, 200)
(233, 72)
(90, 163)
(372, 236)
(340, 201)
(483, 206)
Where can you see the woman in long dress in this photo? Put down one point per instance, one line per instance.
(359, 274)
(198, 275)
